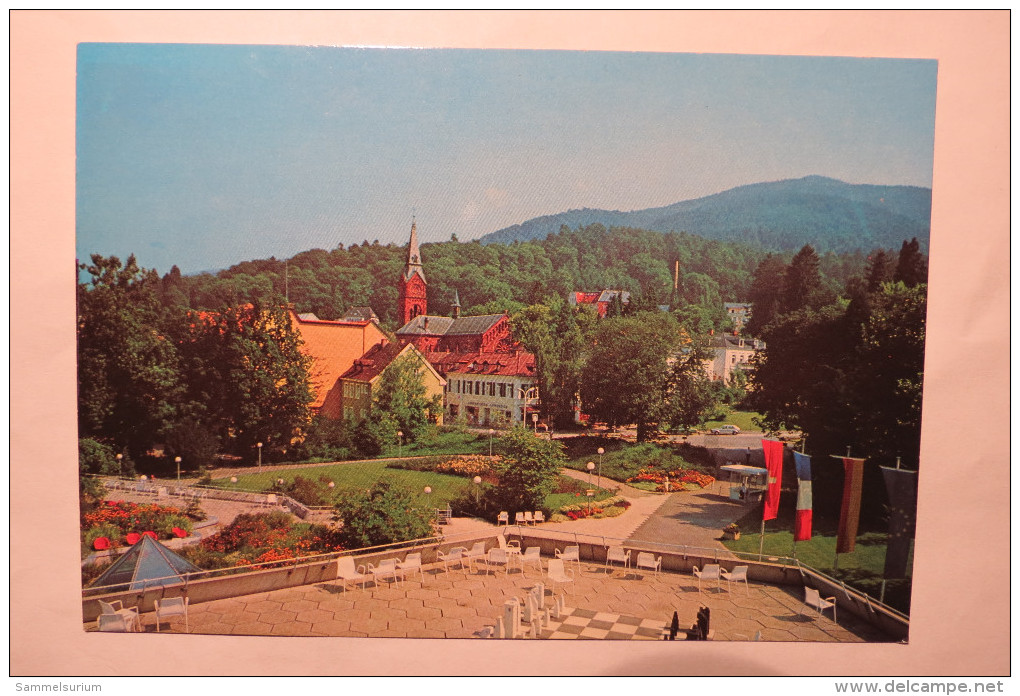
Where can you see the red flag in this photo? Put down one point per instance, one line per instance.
(774, 463)
(850, 511)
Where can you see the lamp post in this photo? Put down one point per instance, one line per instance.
(178, 461)
(478, 488)
(259, 445)
(602, 451)
(120, 464)
(400, 443)
(491, 433)
(534, 419)
(590, 466)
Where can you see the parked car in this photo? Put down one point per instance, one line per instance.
(726, 430)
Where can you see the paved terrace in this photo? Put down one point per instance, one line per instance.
(609, 604)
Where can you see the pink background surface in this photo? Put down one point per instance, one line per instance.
(960, 618)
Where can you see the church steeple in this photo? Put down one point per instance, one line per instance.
(455, 307)
(413, 255)
(412, 300)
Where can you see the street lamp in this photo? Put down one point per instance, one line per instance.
(491, 433)
(259, 445)
(602, 451)
(178, 461)
(400, 443)
(478, 488)
(590, 466)
(120, 464)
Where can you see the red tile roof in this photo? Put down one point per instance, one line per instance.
(519, 364)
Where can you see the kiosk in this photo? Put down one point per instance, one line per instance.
(747, 483)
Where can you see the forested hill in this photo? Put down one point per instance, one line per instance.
(830, 215)
(497, 277)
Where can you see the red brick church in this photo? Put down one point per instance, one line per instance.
(490, 379)
(487, 333)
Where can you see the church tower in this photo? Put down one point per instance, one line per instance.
(412, 287)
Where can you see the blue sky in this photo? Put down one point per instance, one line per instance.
(203, 156)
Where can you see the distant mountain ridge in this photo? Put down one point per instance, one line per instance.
(829, 214)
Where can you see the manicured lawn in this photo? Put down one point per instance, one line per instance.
(741, 419)
(622, 460)
(451, 442)
(359, 476)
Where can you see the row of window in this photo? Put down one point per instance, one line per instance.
(478, 388)
(355, 390)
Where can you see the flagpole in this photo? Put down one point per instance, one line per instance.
(881, 596)
(835, 563)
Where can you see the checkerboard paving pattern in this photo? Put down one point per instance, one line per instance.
(597, 625)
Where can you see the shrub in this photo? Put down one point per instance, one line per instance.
(305, 490)
(195, 512)
(383, 515)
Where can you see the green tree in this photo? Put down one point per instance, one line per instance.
(885, 381)
(400, 402)
(766, 293)
(128, 380)
(802, 282)
(248, 379)
(382, 515)
(911, 267)
(527, 468)
(640, 370)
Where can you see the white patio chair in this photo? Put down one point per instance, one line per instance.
(113, 623)
(345, 571)
(519, 518)
(647, 561)
(736, 575)
(477, 552)
(570, 553)
(116, 608)
(504, 518)
(496, 558)
(509, 545)
(172, 606)
(814, 600)
(529, 518)
(711, 571)
(454, 555)
(558, 573)
(386, 567)
(539, 517)
(411, 563)
(617, 554)
(533, 555)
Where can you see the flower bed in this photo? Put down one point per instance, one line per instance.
(678, 479)
(467, 465)
(610, 507)
(264, 538)
(114, 521)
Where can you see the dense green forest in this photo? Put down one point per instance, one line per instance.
(494, 277)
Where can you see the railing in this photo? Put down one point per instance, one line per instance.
(187, 578)
(685, 551)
